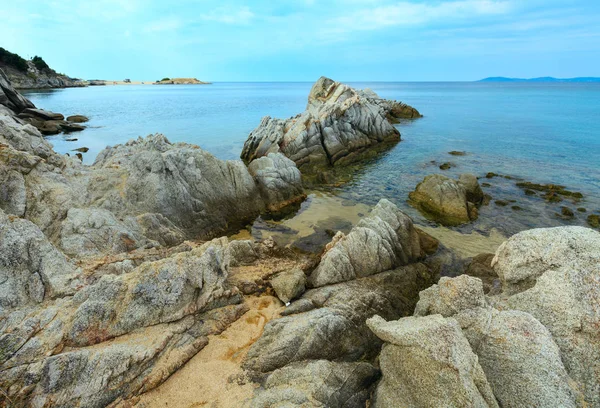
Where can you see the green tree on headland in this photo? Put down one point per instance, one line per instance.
(13, 60)
(39, 63)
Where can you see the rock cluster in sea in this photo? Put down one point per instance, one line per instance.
(48, 123)
(114, 275)
(340, 126)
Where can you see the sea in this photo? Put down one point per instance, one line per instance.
(545, 133)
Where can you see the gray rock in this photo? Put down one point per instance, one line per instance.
(77, 119)
(42, 114)
(31, 268)
(289, 285)
(384, 240)
(319, 383)
(427, 362)
(339, 124)
(554, 274)
(335, 328)
(450, 296)
(10, 98)
(13, 194)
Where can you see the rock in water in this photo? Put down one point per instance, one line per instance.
(339, 124)
(449, 202)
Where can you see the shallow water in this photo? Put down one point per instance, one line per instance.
(541, 132)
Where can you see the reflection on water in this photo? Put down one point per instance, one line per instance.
(546, 133)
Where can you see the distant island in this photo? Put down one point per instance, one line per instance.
(180, 81)
(540, 79)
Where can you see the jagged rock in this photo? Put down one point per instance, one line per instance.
(31, 268)
(159, 228)
(279, 180)
(42, 114)
(329, 322)
(448, 201)
(200, 194)
(338, 126)
(384, 240)
(319, 383)
(13, 194)
(10, 98)
(289, 285)
(427, 362)
(554, 274)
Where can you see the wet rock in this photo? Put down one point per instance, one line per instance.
(428, 244)
(501, 203)
(77, 119)
(384, 240)
(491, 175)
(42, 114)
(339, 125)
(516, 208)
(581, 209)
(447, 166)
(567, 212)
(289, 285)
(69, 127)
(418, 351)
(81, 149)
(457, 153)
(447, 200)
(553, 191)
(593, 220)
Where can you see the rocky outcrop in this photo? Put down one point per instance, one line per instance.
(339, 126)
(35, 78)
(447, 201)
(536, 341)
(384, 240)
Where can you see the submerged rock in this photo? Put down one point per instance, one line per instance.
(340, 123)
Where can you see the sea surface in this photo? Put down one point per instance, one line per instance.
(539, 132)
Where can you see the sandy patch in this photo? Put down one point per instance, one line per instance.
(466, 245)
(213, 378)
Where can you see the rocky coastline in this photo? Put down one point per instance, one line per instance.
(118, 280)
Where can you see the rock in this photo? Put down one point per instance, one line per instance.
(31, 268)
(42, 114)
(13, 193)
(428, 362)
(280, 181)
(10, 98)
(384, 240)
(81, 150)
(340, 124)
(593, 220)
(319, 383)
(450, 296)
(428, 244)
(330, 322)
(158, 228)
(77, 119)
(447, 166)
(93, 231)
(200, 194)
(289, 285)
(69, 127)
(481, 267)
(554, 274)
(457, 153)
(446, 200)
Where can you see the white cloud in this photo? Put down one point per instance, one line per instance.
(405, 13)
(229, 15)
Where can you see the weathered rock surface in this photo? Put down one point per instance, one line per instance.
(537, 340)
(35, 78)
(384, 240)
(289, 285)
(427, 362)
(339, 125)
(319, 383)
(447, 201)
(10, 98)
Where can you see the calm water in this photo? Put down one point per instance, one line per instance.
(548, 133)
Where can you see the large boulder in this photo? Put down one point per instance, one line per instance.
(554, 274)
(339, 125)
(428, 362)
(447, 201)
(200, 194)
(384, 240)
(10, 98)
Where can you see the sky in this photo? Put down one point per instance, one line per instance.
(300, 40)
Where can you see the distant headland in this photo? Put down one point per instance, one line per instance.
(540, 79)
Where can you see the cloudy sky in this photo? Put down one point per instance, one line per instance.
(299, 40)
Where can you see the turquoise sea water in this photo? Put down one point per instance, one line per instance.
(541, 132)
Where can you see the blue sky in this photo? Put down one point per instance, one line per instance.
(349, 40)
